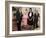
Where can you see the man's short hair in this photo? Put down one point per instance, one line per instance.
(13, 9)
(30, 8)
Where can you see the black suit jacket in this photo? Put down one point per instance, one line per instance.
(30, 20)
(36, 18)
(18, 16)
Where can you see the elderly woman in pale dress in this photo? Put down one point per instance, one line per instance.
(24, 19)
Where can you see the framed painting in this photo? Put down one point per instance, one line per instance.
(24, 18)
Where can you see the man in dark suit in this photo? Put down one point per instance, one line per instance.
(30, 20)
(36, 15)
(18, 19)
(30, 15)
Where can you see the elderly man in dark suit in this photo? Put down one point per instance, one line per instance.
(36, 16)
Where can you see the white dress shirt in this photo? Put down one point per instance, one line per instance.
(30, 14)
